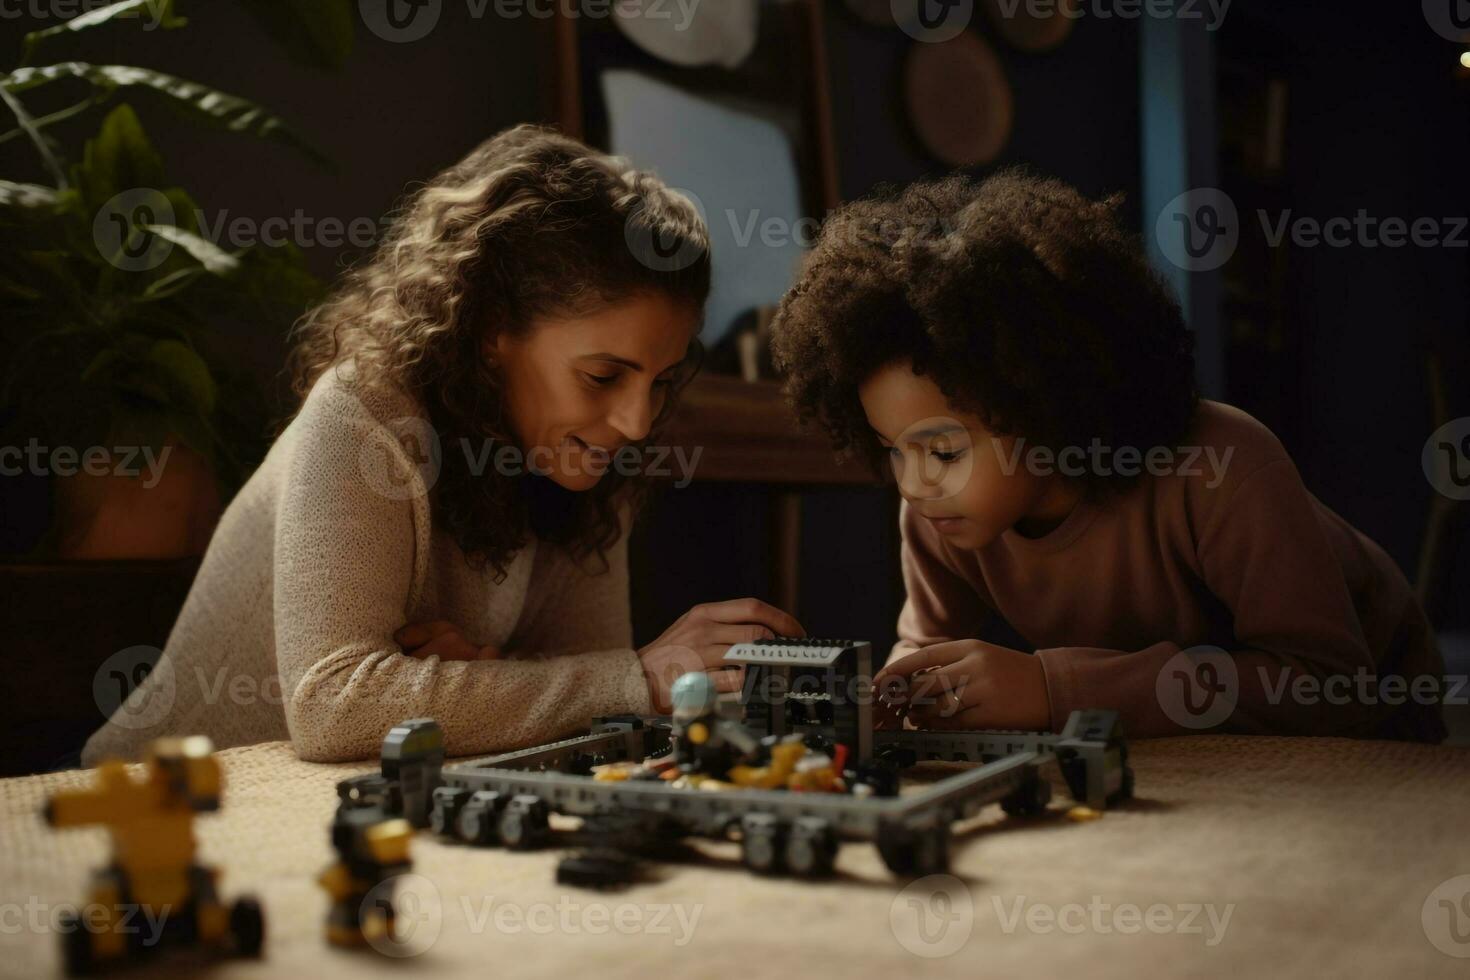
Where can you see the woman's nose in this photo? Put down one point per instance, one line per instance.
(632, 415)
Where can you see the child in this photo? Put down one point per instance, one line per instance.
(1006, 347)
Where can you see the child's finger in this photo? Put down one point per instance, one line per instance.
(937, 655)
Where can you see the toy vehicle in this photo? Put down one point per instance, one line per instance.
(507, 799)
(153, 882)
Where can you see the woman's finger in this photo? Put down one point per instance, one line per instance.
(728, 680)
(754, 611)
(732, 633)
(416, 634)
(448, 646)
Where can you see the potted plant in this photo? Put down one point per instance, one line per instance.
(110, 393)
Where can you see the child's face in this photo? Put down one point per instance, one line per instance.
(579, 389)
(969, 484)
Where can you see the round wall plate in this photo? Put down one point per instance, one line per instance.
(722, 33)
(959, 100)
(1033, 32)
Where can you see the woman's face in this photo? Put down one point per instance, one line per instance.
(579, 389)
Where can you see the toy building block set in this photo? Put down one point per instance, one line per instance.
(799, 772)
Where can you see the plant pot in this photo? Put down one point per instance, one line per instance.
(132, 510)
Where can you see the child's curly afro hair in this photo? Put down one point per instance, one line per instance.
(1025, 302)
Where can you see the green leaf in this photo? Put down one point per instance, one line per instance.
(200, 102)
(160, 14)
(119, 158)
(28, 196)
(186, 375)
(205, 252)
(318, 33)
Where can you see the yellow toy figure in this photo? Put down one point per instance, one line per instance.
(153, 893)
(371, 849)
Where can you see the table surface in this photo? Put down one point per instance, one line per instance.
(1241, 856)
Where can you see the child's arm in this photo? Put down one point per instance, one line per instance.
(1263, 552)
(941, 605)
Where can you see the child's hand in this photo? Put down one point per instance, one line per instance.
(441, 639)
(968, 684)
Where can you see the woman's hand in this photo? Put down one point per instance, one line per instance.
(441, 639)
(965, 684)
(698, 640)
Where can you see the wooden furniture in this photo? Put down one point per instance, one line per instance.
(63, 621)
(746, 433)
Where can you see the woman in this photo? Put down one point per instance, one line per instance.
(441, 530)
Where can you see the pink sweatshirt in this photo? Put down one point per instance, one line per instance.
(1314, 628)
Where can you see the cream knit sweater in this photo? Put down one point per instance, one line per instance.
(330, 548)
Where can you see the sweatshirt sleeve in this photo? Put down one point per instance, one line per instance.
(940, 604)
(352, 512)
(1263, 552)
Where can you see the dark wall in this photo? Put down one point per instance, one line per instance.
(1378, 120)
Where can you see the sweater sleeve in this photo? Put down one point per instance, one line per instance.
(940, 604)
(1298, 647)
(350, 523)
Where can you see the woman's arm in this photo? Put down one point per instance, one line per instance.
(348, 519)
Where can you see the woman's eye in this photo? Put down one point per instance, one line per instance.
(946, 457)
(600, 379)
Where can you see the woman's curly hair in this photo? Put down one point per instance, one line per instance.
(1025, 302)
(531, 223)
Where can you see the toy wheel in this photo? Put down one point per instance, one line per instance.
(447, 803)
(524, 823)
(76, 946)
(811, 849)
(1029, 799)
(931, 851)
(477, 818)
(247, 925)
(760, 844)
(906, 852)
